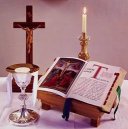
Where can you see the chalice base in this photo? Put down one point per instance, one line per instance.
(23, 117)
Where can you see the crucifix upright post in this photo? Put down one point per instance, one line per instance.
(29, 26)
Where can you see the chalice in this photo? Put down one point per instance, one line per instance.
(23, 116)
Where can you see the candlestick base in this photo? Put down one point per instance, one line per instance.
(84, 42)
(84, 56)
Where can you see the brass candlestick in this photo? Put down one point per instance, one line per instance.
(84, 43)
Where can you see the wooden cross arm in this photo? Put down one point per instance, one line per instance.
(29, 24)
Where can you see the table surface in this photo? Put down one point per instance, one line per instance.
(52, 119)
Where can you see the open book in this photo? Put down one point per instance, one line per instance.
(87, 81)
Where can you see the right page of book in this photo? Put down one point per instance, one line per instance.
(94, 83)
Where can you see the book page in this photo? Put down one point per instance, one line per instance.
(59, 78)
(94, 83)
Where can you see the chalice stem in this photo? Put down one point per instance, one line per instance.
(24, 104)
(23, 90)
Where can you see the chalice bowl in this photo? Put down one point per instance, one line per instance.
(23, 116)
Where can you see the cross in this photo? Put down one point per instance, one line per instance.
(29, 26)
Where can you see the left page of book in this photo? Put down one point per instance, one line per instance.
(94, 83)
(60, 76)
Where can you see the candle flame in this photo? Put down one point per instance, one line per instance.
(84, 10)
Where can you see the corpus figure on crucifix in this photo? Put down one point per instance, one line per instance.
(29, 32)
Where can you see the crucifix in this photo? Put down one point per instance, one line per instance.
(29, 26)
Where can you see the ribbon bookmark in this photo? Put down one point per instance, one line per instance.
(118, 97)
(67, 108)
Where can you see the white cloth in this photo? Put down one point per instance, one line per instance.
(52, 119)
(5, 92)
(3, 84)
(9, 88)
(35, 86)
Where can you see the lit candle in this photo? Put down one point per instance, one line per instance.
(84, 20)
